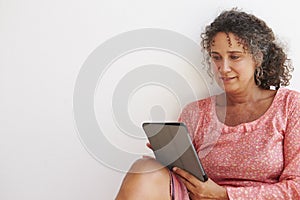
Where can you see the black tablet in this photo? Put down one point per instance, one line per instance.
(172, 147)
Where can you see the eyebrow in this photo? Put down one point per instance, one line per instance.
(227, 52)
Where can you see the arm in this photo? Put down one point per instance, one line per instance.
(193, 115)
(288, 186)
(201, 190)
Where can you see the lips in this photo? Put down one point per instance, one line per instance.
(227, 78)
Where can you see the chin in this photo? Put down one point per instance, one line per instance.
(229, 89)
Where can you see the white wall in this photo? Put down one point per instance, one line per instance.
(43, 45)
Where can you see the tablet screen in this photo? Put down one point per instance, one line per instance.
(172, 147)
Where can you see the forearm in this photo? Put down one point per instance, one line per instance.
(287, 189)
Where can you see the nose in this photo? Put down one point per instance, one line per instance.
(224, 66)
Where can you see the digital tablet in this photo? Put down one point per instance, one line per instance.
(173, 147)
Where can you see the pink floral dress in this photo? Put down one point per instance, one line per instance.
(254, 160)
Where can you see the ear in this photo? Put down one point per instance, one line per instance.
(259, 58)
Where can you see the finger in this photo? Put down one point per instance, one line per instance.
(191, 189)
(191, 195)
(189, 186)
(186, 175)
(149, 145)
(145, 156)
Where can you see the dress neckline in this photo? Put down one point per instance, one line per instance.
(245, 125)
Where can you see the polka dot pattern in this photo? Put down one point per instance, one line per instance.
(254, 160)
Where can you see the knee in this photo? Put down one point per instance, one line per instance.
(148, 172)
(146, 179)
(147, 165)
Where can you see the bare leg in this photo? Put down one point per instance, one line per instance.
(151, 182)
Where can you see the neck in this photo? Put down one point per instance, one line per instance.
(243, 97)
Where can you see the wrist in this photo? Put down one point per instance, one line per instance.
(224, 195)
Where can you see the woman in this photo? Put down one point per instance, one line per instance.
(255, 150)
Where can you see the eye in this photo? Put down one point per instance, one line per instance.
(234, 57)
(216, 57)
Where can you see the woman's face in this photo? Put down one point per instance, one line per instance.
(232, 65)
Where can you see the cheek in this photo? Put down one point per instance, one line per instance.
(215, 72)
(214, 68)
(246, 69)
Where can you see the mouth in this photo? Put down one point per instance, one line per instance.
(225, 79)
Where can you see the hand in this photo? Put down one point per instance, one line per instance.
(149, 145)
(201, 190)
